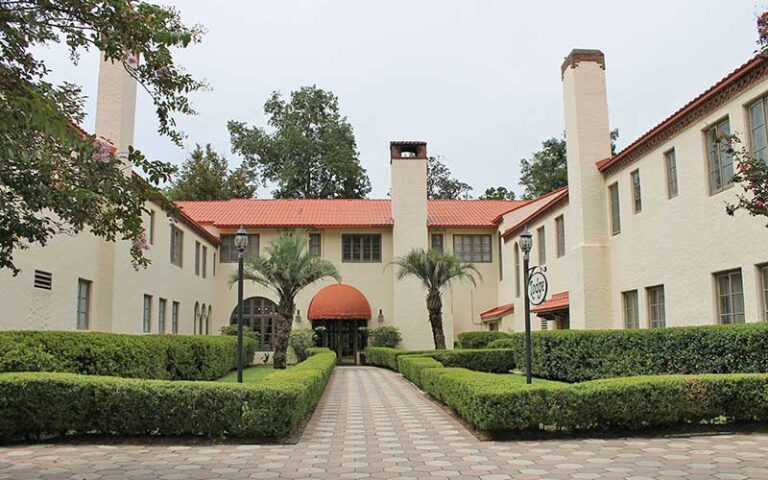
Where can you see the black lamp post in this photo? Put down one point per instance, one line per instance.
(526, 243)
(241, 243)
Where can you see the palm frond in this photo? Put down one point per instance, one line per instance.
(435, 269)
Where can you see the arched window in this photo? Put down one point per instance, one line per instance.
(260, 314)
(208, 320)
(517, 270)
(201, 321)
(197, 315)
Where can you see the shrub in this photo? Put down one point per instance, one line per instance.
(502, 343)
(36, 404)
(384, 336)
(302, 339)
(166, 357)
(496, 361)
(387, 357)
(411, 366)
(247, 332)
(479, 339)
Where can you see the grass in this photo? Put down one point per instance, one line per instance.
(250, 375)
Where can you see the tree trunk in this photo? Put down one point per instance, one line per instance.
(435, 308)
(282, 333)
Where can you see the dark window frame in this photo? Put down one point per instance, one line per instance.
(354, 245)
(470, 255)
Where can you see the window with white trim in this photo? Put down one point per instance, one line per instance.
(472, 248)
(175, 317)
(657, 314)
(764, 289)
(560, 233)
(730, 297)
(670, 161)
(147, 320)
(631, 309)
(83, 304)
(757, 129)
(613, 191)
(177, 246)
(161, 304)
(541, 239)
(720, 161)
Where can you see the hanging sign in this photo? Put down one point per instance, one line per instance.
(537, 287)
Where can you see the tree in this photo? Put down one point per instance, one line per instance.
(497, 193)
(309, 153)
(286, 270)
(440, 184)
(436, 270)
(55, 177)
(205, 175)
(547, 170)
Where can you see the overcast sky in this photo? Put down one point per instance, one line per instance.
(479, 81)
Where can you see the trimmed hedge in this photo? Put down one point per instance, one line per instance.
(492, 403)
(164, 357)
(387, 357)
(479, 339)
(42, 404)
(494, 361)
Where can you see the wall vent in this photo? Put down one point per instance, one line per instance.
(43, 279)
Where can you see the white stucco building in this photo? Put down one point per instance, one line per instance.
(636, 240)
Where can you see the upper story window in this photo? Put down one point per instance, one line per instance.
(560, 232)
(436, 242)
(315, 244)
(657, 315)
(197, 258)
(542, 245)
(83, 304)
(670, 161)
(637, 196)
(517, 270)
(205, 262)
(720, 161)
(472, 248)
(613, 191)
(730, 297)
(161, 304)
(229, 252)
(177, 246)
(757, 129)
(147, 320)
(361, 248)
(501, 258)
(631, 309)
(151, 227)
(175, 317)
(764, 289)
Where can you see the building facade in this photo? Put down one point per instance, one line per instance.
(637, 240)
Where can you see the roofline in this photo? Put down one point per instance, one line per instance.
(503, 310)
(265, 225)
(712, 98)
(522, 203)
(562, 194)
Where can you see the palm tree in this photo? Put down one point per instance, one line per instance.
(435, 270)
(287, 269)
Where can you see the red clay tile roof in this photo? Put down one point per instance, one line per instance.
(537, 208)
(339, 302)
(558, 301)
(341, 213)
(497, 312)
(731, 85)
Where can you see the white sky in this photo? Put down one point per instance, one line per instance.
(478, 80)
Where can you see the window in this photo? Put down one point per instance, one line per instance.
(671, 163)
(205, 262)
(147, 314)
(161, 303)
(214, 264)
(315, 245)
(730, 297)
(208, 320)
(517, 270)
(201, 321)
(175, 317)
(615, 212)
(720, 162)
(151, 227)
(560, 232)
(437, 242)
(541, 239)
(637, 196)
(229, 252)
(472, 248)
(631, 312)
(197, 258)
(361, 248)
(177, 246)
(194, 320)
(501, 258)
(43, 280)
(757, 127)
(657, 315)
(764, 288)
(260, 314)
(83, 304)
(493, 326)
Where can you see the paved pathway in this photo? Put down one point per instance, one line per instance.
(373, 424)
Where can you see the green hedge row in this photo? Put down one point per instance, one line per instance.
(165, 357)
(387, 357)
(34, 405)
(479, 339)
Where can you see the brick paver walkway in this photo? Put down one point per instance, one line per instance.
(373, 424)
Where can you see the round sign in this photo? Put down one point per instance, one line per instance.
(537, 288)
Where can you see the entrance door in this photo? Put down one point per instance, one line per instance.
(343, 337)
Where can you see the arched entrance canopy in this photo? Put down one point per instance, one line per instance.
(339, 302)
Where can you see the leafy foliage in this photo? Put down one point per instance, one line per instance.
(384, 336)
(247, 332)
(302, 340)
(435, 270)
(55, 177)
(387, 357)
(286, 270)
(497, 193)
(310, 151)
(440, 184)
(205, 175)
(479, 339)
(87, 405)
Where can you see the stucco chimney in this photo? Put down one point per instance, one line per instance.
(588, 140)
(116, 105)
(408, 162)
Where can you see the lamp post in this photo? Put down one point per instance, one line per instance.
(241, 243)
(526, 243)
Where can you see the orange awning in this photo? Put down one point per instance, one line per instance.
(558, 301)
(497, 312)
(339, 302)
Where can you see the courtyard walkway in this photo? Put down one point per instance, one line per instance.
(373, 424)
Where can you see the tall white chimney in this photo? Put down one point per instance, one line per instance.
(116, 105)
